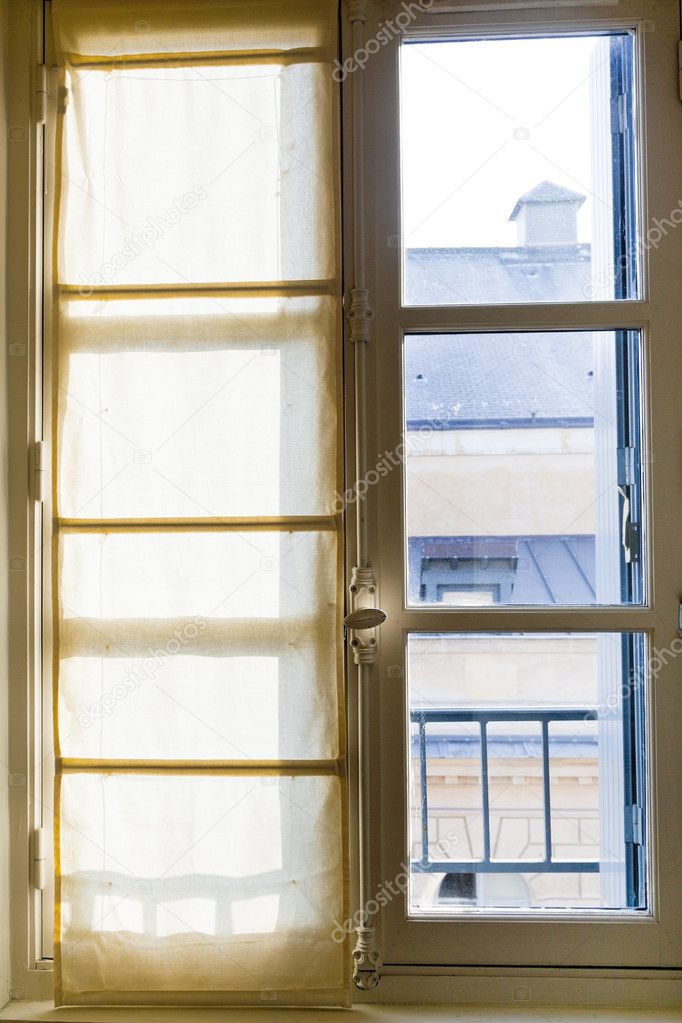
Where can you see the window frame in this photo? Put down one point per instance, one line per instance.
(407, 975)
(31, 798)
(628, 938)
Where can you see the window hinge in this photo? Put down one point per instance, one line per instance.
(627, 466)
(41, 94)
(360, 315)
(621, 113)
(40, 859)
(634, 824)
(632, 543)
(40, 469)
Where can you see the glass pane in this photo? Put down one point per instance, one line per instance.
(573, 779)
(514, 192)
(516, 790)
(442, 830)
(523, 478)
(526, 785)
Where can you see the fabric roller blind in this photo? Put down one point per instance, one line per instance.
(201, 798)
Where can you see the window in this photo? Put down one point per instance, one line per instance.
(519, 347)
(510, 218)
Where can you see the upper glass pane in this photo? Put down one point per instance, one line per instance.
(518, 170)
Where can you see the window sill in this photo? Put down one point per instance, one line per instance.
(44, 1012)
(421, 994)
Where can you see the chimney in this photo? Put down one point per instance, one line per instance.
(547, 215)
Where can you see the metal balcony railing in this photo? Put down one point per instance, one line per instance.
(545, 716)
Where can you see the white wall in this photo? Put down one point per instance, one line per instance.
(501, 483)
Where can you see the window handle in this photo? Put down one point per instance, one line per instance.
(365, 618)
(359, 624)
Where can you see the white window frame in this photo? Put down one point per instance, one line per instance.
(558, 940)
(30, 799)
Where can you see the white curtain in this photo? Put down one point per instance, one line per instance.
(201, 797)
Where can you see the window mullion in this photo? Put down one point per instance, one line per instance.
(550, 316)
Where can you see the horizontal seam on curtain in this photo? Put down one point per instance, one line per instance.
(265, 289)
(227, 767)
(313, 55)
(106, 638)
(280, 523)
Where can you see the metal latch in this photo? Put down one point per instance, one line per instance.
(627, 466)
(634, 824)
(41, 94)
(631, 533)
(40, 471)
(40, 858)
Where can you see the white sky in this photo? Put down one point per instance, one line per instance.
(462, 102)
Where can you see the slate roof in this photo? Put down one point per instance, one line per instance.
(460, 381)
(527, 273)
(548, 569)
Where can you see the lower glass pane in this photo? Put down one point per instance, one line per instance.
(527, 762)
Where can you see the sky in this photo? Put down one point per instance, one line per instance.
(482, 122)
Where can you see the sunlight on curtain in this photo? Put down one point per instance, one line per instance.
(201, 798)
